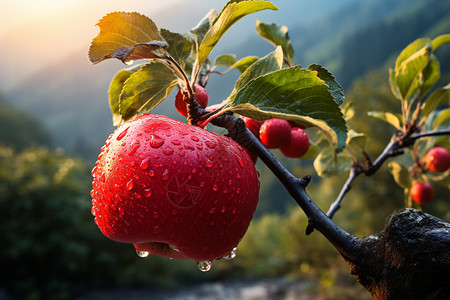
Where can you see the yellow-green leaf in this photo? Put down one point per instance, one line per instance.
(115, 89)
(401, 174)
(440, 40)
(393, 119)
(145, 89)
(121, 29)
(438, 97)
(442, 117)
(329, 163)
(230, 14)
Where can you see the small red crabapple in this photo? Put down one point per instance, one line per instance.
(275, 133)
(200, 95)
(298, 144)
(252, 125)
(422, 192)
(437, 160)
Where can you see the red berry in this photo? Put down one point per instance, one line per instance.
(161, 182)
(298, 144)
(252, 125)
(437, 160)
(275, 133)
(422, 192)
(200, 95)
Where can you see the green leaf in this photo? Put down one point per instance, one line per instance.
(203, 26)
(121, 29)
(313, 150)
(393, 84)
(440, 40)
(269, 63)
(230, 14)
(391, 118)
(328, 163)
(243, 64)
(294, 94)
(409, 64)
(145, 89)
(278, 36)
(442, 117)
(115, 89)
(356, 140)
(334, 87)
(401, 174)
(430, 75)
(179, 46)
(225, 60)
(438, 97)
(348, 111)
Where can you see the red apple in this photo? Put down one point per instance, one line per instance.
(173, 189)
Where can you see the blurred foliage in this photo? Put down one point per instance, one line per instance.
(20, 129)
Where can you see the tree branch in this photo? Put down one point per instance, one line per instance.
(398, 141)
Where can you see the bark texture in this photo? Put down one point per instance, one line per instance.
(409, 259)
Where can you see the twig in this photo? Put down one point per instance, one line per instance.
(398, 141)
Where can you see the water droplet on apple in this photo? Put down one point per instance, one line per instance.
(194, 138)
(204, 266)
(144, 163)
(151, 173)
(147, 193)
(209, 164)
(156, 141)
(134, 148)
(215, 188)
(129, 185)
(157, 229)
(168, 151)
(232, 254)
(142, 253)
(155, 215)
(122, 134)
(165, 175)
(210, 144)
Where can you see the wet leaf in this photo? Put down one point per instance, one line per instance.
(145, 89)
(121, 29)
(401, 174)
(278, 36)
(293, 94)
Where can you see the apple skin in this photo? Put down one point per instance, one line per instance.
(422, 192)
(437, 160)
(161, 182)
(275, 133)
(252, 125)
(200, 96)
